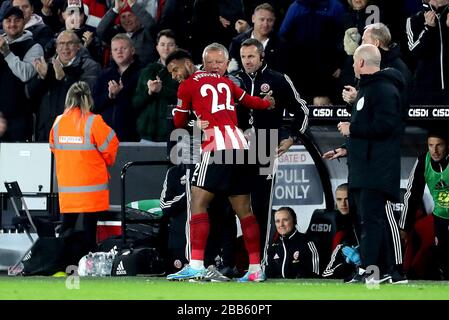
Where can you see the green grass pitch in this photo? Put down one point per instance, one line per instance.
(150, 288)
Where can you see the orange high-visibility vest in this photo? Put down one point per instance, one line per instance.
(83, 147)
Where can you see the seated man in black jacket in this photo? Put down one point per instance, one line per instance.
(345, 255)
(291, 255)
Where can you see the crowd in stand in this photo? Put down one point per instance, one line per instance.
(119, 48)
(312, 41)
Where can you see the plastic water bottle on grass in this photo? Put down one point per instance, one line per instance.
(90, 265)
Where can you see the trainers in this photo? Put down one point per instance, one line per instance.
(362, 277)
(213, 275)
(398, 277)
(383, 278)
(229, 272)
(188, 273)
(257, 276)
(358, 276)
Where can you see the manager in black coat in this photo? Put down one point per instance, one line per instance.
(373, 144)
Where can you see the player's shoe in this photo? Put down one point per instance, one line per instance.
(398, 277)
(188, 273)
(361, 276)
(213, 275)
(257, 276)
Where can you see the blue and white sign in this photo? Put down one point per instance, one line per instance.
(298, 185)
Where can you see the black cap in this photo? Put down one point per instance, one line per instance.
(13, 11)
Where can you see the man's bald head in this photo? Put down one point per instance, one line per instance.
(370, 54)
(366, 59)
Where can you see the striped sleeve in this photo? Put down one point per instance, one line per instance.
(413, 195)
(315, 257)
(297, 106)
(105, 139)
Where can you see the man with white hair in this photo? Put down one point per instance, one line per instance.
(373, 143)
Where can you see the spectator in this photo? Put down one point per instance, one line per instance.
(195, 24)
(291, 254)
(312, 32)
(136, 23)
(280, 8)
(357, 16)
(17, 52)
(115, 87)
(153, 7)
(96, 9)
(84, 147)
(54, 79)
(155, 92)
(74, 19)
(229, 12)
(428, 35)
(258, 79)
(351, 41)
(263, 30)
(50, 13)
(222, 134)
(431, 170)
(379, 35)
(373, 178)
(42, 33)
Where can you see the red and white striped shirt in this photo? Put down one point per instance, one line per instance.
(212, 98)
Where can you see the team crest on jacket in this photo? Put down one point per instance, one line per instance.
(178, 264)
(265, 87)
(296, 257)
(360, 104)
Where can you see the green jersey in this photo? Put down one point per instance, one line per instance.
(438, 184)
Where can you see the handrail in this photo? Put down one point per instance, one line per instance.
(322, 170)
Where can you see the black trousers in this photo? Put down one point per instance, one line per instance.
(86, 223)
(442, 235)
(379, 234)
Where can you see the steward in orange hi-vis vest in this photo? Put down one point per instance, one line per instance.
(83, 146)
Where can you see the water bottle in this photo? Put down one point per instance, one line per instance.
(94, 265)
(108, 265)
(101, 265)
(89, 264)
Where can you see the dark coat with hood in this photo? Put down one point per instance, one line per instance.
(374, 156)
